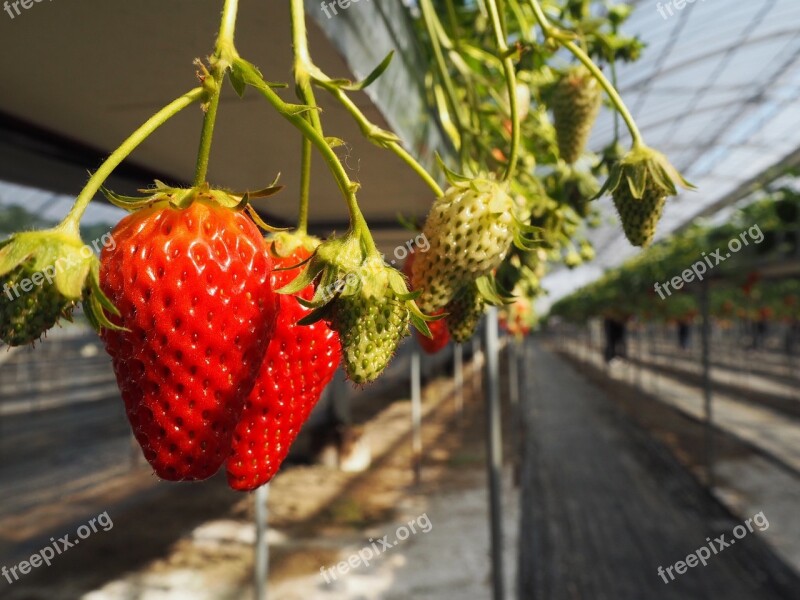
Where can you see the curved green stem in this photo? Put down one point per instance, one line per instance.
(223, 52)
(129, 145)
(347, 188)
(311, 127)
(306, 95)
(511, 83)
(583, 57)
(377, 136)
(431, 20)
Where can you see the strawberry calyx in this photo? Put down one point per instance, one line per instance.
(181, 198)
(345, 267)
(645, 170)
(287, 243)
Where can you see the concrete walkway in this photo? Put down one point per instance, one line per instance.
(773, 432)
(604, 506)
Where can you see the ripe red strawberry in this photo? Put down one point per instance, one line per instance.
(440, 335)
(300, 362)
(192, 286)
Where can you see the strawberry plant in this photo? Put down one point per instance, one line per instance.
(222, 341)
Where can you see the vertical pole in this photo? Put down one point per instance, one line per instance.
(458, 375)
(262, 549)
(495, 451)
(477, 379)
(416, 414)
(707, 392)
(513, 372)
(513, 359)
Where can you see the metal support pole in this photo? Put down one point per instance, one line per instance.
(458, 375)
(514, 355)
(262, 548)
(495, 451)
(416, 414)
(513, 372)
(476, 373)
(707, 391)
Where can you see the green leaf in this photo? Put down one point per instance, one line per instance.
(376, 72)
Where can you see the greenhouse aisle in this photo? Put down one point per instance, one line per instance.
(606, 507)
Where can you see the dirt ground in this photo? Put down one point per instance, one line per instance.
(196, 540)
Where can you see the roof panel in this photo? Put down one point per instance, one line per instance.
(717, 91)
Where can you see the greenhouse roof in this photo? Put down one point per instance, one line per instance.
(718, 91)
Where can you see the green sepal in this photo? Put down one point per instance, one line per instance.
(243, 73)
(50, 248)
(317, 314)
(304, 279)
(397, 283)
(409, 224)
(419, 320)
(524, 238)
(452, 177)
(260, 222)
(96, 303)
(490, 291)
(637, 181)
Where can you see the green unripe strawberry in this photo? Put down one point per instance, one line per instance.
(576, 103)
(639, 216)
(639, 184)
(464, 312)
(470, 230)
(369, 328)
(365, 301)
(25, 316)
(43, 274)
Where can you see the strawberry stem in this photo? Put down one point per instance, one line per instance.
(305, 186)
(431, 20)
(304, 66)
(511, 82)
(552, 33)
(209, 120)
(306, 95)
(72, 220)
(310, 126)
(224, 51)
